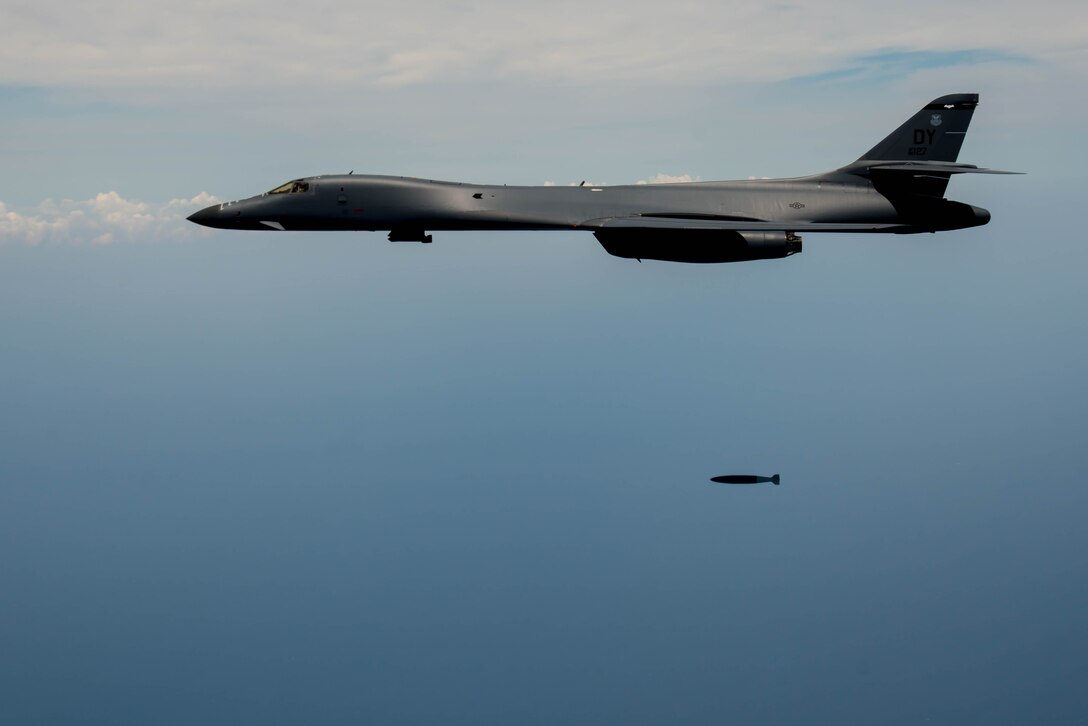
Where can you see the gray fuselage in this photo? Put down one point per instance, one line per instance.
(358, 202)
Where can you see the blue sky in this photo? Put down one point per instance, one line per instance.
(320, 477)
(164, 102)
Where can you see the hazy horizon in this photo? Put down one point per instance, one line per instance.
(319, 477)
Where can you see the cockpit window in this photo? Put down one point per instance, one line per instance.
(291, 187)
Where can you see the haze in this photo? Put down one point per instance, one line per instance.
(324, 478)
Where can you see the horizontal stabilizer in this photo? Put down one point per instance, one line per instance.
(937, 167)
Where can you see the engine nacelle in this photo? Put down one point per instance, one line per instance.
(697, 245)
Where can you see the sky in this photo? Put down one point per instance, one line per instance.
(319, 477)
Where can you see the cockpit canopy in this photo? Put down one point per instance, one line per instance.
(292, 187)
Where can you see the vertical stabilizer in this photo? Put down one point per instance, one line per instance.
(933, 134)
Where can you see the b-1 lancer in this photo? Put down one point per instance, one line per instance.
(896, 187)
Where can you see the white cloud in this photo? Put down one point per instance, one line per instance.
(264, 44)
(669, 179)
(107, 218)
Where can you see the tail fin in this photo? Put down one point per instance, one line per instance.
(933, 134)
(774, 479)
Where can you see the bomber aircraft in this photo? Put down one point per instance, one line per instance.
(897, 187)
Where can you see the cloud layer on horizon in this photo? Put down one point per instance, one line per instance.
(277, 44)
(106, 218)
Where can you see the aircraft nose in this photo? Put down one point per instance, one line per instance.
(209, 216)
